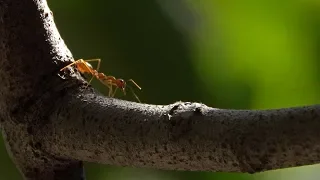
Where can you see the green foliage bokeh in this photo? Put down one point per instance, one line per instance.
(227, 54)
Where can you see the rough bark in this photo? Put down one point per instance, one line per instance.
(51, 122)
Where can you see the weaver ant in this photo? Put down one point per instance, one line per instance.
(84, 66)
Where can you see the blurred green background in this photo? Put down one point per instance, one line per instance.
(245, 54)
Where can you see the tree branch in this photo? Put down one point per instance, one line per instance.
(31, 51)
(181, 136)
(51, 122)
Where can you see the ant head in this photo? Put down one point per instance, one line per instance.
(121, 84)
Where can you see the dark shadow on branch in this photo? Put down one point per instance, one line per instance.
(51, 122)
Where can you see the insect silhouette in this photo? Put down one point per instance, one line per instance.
(85, 67)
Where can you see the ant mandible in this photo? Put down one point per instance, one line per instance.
(84, 66)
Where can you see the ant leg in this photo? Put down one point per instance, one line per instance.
(95, 60)
(110, 90)
(75, 62)
(114, 93)
(98, 66)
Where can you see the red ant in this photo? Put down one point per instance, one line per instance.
(84, 66)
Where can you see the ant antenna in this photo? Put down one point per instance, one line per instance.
(134, 94)
(135, 84)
